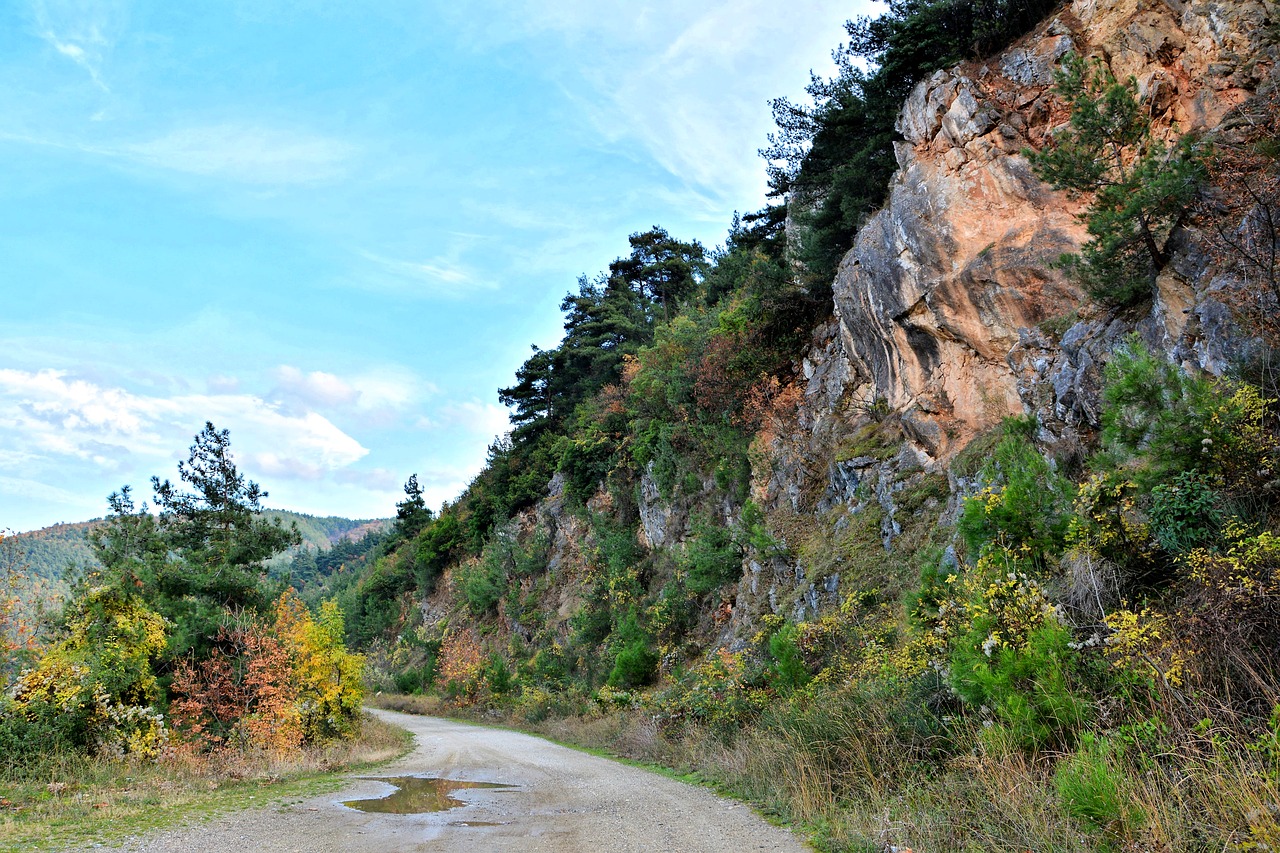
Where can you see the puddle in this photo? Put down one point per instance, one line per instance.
(417, 795)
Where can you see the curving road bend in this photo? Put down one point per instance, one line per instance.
(560, 800)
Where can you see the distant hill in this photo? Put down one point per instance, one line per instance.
(50, 551)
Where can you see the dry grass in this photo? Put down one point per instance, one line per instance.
(76, 800)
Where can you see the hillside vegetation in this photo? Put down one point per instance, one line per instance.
(63, 550)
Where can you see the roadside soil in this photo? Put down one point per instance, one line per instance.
(559, 800)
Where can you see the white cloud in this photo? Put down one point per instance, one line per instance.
(687, 82)
(80, 30)
(47, 414)
(375, 390)
(246, 153)
(486, 420)
(316, 387)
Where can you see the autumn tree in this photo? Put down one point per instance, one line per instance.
(17, 629)
(95, 689)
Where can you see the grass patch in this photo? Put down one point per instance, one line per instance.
(879, 440)
(77, 800)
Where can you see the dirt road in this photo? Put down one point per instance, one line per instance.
(558, 800)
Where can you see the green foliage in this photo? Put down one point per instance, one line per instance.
(1025, 502)
(1163, 419)
(787, 669)
(711, 558)
(205, 553)
(438, 543)
(1007, 650)
(412, 513)
(608, 319)
(1142, 190)
(635, 662)
(482, 584)
(498, 676)
(1185, 512)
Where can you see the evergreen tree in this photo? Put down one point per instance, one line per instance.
(412, 513)
(202, 559)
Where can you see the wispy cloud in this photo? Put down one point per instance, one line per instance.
(246, 153)
(687, 83)
(81, 31)
(438, 277)
(473, 416)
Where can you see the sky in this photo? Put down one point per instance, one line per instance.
(335, 228)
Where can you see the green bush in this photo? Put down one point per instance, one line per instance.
(787, 669)
(1025, 503)
(635, 661)
(712, 558)
(1028, 688)
(1185, 513)
(482, 585)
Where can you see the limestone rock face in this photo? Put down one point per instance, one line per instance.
(948, 311)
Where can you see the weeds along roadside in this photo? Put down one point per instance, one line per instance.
(69, 798)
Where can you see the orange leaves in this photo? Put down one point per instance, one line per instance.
(241, 696)
(272, 687)
(461, 659)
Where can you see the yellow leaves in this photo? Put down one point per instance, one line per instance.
(461, 658)
(1249, 568)
(326, 677)
(1140, 643)
(100, 673)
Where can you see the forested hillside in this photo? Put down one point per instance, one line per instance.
(63, 550)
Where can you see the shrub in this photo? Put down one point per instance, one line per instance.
(712, 557)
(1008, 652)
(787, 668)
(95, 688)
(1185, 512)
(635, 662)
(1024, 505)
(326, 678)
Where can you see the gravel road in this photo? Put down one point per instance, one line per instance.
(559, 800)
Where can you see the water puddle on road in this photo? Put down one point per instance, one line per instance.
(417, 795)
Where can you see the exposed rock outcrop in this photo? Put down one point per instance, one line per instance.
(947, 307)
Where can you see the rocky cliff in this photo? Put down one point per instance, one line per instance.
(948, 313)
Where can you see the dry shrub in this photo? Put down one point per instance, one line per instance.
(240, 697)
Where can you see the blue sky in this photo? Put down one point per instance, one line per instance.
(334, 228)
